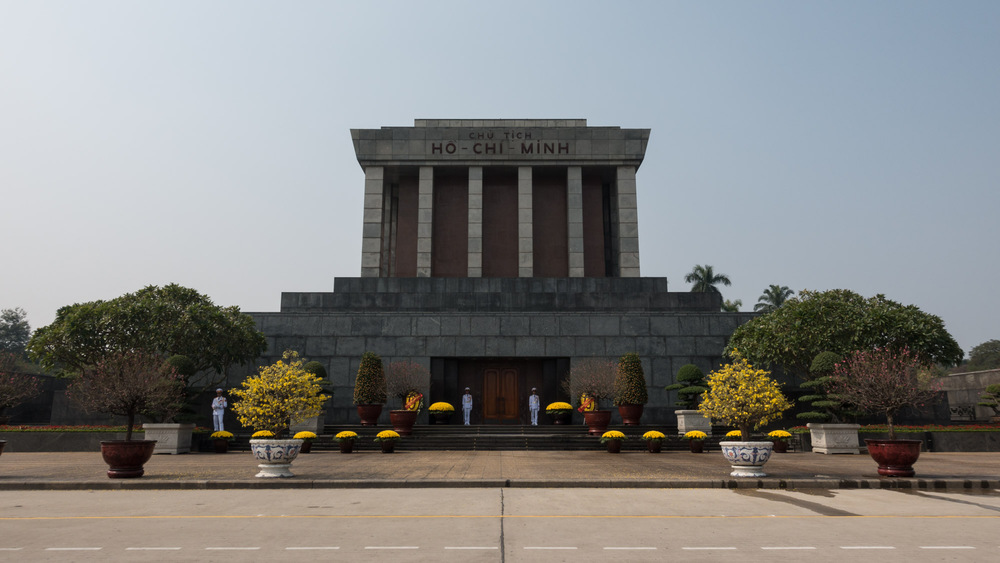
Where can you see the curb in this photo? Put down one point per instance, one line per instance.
(953, 485)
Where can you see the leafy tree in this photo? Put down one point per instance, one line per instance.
(991, 398)
(630, 381)
(14, 331)
(370, 385)
(407, 381)
(772, 298)
(881, 381)
(985, 356)
(732, 306)
(690, 386)
(15, 388)
(279, 396)
(592, 377)
(841, 321)
(166, 321)
(743, 396)
(704, 279)
(128, 384)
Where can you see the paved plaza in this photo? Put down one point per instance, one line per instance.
(454, 469)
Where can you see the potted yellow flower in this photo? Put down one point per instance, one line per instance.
(780, 439)
(387, 439)
(307, 440)
(613, 439)
(441, 412)
(281, 394)
(696, 440)
(560, 412)
(745, 397)
(346, 440)
(220, 441)
(654, 441)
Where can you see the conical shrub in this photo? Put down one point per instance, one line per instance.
(630, 382)
(369, 387)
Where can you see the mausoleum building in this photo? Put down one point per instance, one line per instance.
(499, 253)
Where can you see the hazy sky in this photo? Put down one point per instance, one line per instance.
(817, 145)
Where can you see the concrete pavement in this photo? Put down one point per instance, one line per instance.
(372, 469)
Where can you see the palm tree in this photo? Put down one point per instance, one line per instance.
(732, 306)
(704, 280)
(772, 298)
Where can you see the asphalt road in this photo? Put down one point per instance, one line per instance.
(494, 524)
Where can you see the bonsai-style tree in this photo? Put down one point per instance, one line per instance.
(991, 398)
(407, 381)
(690, 386)
(15, 388)
(841, 321)
(592, 378)
(128, 384)
(369, 387)
(630, 381)
(743, 396)
(827, 406)
(315, 368)
(279, 396)
(881, 381)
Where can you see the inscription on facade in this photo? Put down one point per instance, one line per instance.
(493, 142)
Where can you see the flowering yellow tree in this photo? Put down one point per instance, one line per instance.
(743, 396)
(280, 395)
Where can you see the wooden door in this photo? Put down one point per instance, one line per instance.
(500, 394)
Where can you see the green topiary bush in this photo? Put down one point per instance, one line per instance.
(630, 381)
(183, 365)
(825, 407)
(369, 387)
(316, 369)
(690, 386)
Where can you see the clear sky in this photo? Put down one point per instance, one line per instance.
(817, 145)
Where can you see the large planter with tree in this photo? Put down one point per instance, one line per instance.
(592, 380)
(829, 433)
(128, 384)
(689, 387)
(370, 389)
(747, 398)
(883, 382)
(630, 389)
(281, 394)
(406, 381)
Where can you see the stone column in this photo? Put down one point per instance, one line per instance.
(628, 224)
(525, 247)
(371, 236)
(425, 220)
(475, 221)
(574, 210)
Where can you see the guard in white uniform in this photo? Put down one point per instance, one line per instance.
(466, 405)
(533, 406)
(219, 405)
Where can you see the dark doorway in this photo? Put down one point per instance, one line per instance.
(500, 396)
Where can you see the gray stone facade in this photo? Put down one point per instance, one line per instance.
(427, 319)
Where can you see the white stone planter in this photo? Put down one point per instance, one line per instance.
(747, 458)
(834, 438)
(314, 425)
(171, 438)
(276, 456)
(688, 420)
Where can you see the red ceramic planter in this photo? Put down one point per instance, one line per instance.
(369, 414)
(631, 414)
(895, 458)
(126, 458)
(597, 421)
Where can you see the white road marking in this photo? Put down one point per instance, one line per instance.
(72, 549)
(802, 547)
(544, 547)
(629, 548)
(471, 547)
(152, 548)
(392, 547)
(308, 548)
(11, 548)
(233, 548)
(867, 547)
(946, 547)
(704, 548)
